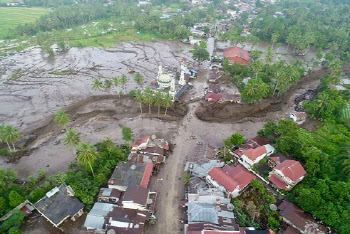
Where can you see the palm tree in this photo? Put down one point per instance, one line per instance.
(87, 155)
(269, 56)
(97, 84)
(290, 40)
(138, 78)
(139, 98)
(10, 135)
(107, 85)
(167, 102)
(123, 81)
(62, 118)
(274, 38)
(149, 98)
(158, 100)
(72, 138)
(257, 66)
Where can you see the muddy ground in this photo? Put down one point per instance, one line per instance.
(30, 102)
(31, 90)
(269, 109)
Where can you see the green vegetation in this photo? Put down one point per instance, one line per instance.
(252, 208)
(63, 73)
(62, 118)
(235, 139)
(11, 17)
(266, 79)
(9, 135)
(324, 24)
(127, 134)
(149, 97)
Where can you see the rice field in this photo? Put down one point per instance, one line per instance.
(11, 17)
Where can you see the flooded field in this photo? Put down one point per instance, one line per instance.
(33, 86)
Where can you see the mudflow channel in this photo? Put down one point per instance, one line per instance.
(30, 101)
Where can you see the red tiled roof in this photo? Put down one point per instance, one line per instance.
(147, 175)
(277, 181)
(141, 141)
(214, 97)
(236, 52)
(231, 177)
(255, 153)
(291, 169)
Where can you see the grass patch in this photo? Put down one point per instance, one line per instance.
(11, 17)
(109, 39)
(64, 73)
(16, 75)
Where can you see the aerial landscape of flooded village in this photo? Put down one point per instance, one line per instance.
(171, 116)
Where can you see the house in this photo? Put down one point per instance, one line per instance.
(213, 97)
(237, 55)
(251, 156)
(214, 76)
(201, 170)
(214, 88)
(129, 174)
(287, 174)
(298, 117)
(253, 143)
(221, 215)
(60, 204)
(294, 216)
(236, 98)
(135, 197)
(109, 195)
(147, 158)
(202, 153)
(276, 159)
(146, 142)
(231, 180)
(109, 218)
(140, 144)
(209, 196)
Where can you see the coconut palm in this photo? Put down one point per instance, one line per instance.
(139, 98)
(107, 85)
(167, 102)
(159, 100)
(72, 138)
(123, 81)
(269, 56)
(116, 82)
(274, 38)
(87, 155)
(149, 98)
(257, 66)
(138, 78)
(97, 84)
(10, 135)
(62, 118)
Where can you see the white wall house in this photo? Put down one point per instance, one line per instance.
(250, 157)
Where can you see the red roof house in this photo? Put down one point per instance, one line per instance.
(233, 179)
(287, 174)
(251, 156)
(140, 144)
(296, 217)
(237, 55)
(213, 97)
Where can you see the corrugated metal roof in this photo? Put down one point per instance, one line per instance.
(95, 218)
(202, 213)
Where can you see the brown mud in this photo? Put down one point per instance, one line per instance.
(267, 108)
